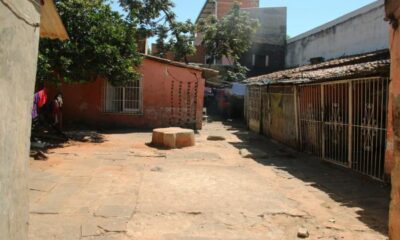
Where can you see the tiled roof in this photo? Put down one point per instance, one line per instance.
(371, 64)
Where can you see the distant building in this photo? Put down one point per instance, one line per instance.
(268, 49)
(358, 32)
(332, 100)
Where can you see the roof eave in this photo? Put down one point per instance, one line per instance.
(51, 25)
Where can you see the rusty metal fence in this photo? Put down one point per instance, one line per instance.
(253, 103)
(279, 114)
(344, 122)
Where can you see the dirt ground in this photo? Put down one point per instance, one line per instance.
(120, 188)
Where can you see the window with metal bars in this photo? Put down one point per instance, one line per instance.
(123, 99)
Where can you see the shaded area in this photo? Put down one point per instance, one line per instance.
(344, 186)
(45, 136)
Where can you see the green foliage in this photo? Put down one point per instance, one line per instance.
(238, 73)
(102, 43)
(229, 37)
(156, 18)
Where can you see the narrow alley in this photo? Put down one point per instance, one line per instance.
(118, 187)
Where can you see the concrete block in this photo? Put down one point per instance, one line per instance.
(173, 137)
(169, 140)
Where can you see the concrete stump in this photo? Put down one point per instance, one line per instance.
(173, 137)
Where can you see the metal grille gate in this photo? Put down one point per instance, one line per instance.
(254, 106)
(344, 122)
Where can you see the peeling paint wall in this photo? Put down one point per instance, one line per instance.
(18, 59)
(162, 105)
(393, 13)
(268, 43)
(361, 31)
(279, 114)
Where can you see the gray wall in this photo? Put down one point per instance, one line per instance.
(361, 31)
(270, 40)
(18, 58)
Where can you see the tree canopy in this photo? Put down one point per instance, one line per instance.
(102, 42)
(229, 37)
(156, 18)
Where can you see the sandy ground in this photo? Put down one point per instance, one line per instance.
(123, 189)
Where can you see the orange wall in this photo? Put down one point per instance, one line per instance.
(83, 103)
(393, 161)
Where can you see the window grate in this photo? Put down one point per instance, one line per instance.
(123, 99)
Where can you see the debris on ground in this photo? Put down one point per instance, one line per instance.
(245, 153)
(38, 155)
(156, 169)
(303, 233)
(146, 154)
(216, 138)
(253, 153)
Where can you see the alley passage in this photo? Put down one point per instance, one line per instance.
(123, 189)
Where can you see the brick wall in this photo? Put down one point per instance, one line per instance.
(165, 100)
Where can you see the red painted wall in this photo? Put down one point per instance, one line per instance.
(162, 106)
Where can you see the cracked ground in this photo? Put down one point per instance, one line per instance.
(123, 189)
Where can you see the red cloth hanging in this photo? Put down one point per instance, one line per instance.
(42, 98)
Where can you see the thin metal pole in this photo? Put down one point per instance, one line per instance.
(296, 117)
(350, 128)
(322, 110)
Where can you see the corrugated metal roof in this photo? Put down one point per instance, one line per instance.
(370, 64)
(51, 25)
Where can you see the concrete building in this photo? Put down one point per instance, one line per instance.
(22, 22)
(358, 32)
(169, 94)
(267, 51)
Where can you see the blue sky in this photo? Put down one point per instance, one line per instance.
(303, 15)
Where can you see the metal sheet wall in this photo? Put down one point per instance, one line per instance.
(279, 114)
(253, 103)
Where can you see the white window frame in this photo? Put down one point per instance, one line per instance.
(116, 100)
(267, 60)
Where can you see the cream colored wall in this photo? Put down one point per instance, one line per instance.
(18, 59)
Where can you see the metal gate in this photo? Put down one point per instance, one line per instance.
(254, 107)
(344, 122)
(279, 115)
(310, 119)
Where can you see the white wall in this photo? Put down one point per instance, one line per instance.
(361, 31)
(18, 58)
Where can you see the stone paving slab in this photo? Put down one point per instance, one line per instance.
(122, 189)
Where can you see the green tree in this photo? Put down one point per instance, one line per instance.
(156, 18)
(102, 43)
(229, 37)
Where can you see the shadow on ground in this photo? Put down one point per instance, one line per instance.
(345, 187)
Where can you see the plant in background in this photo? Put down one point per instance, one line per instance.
(102, 43)
(229, 37)
(156, 18)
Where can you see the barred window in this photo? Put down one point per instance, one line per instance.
(125, 99)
